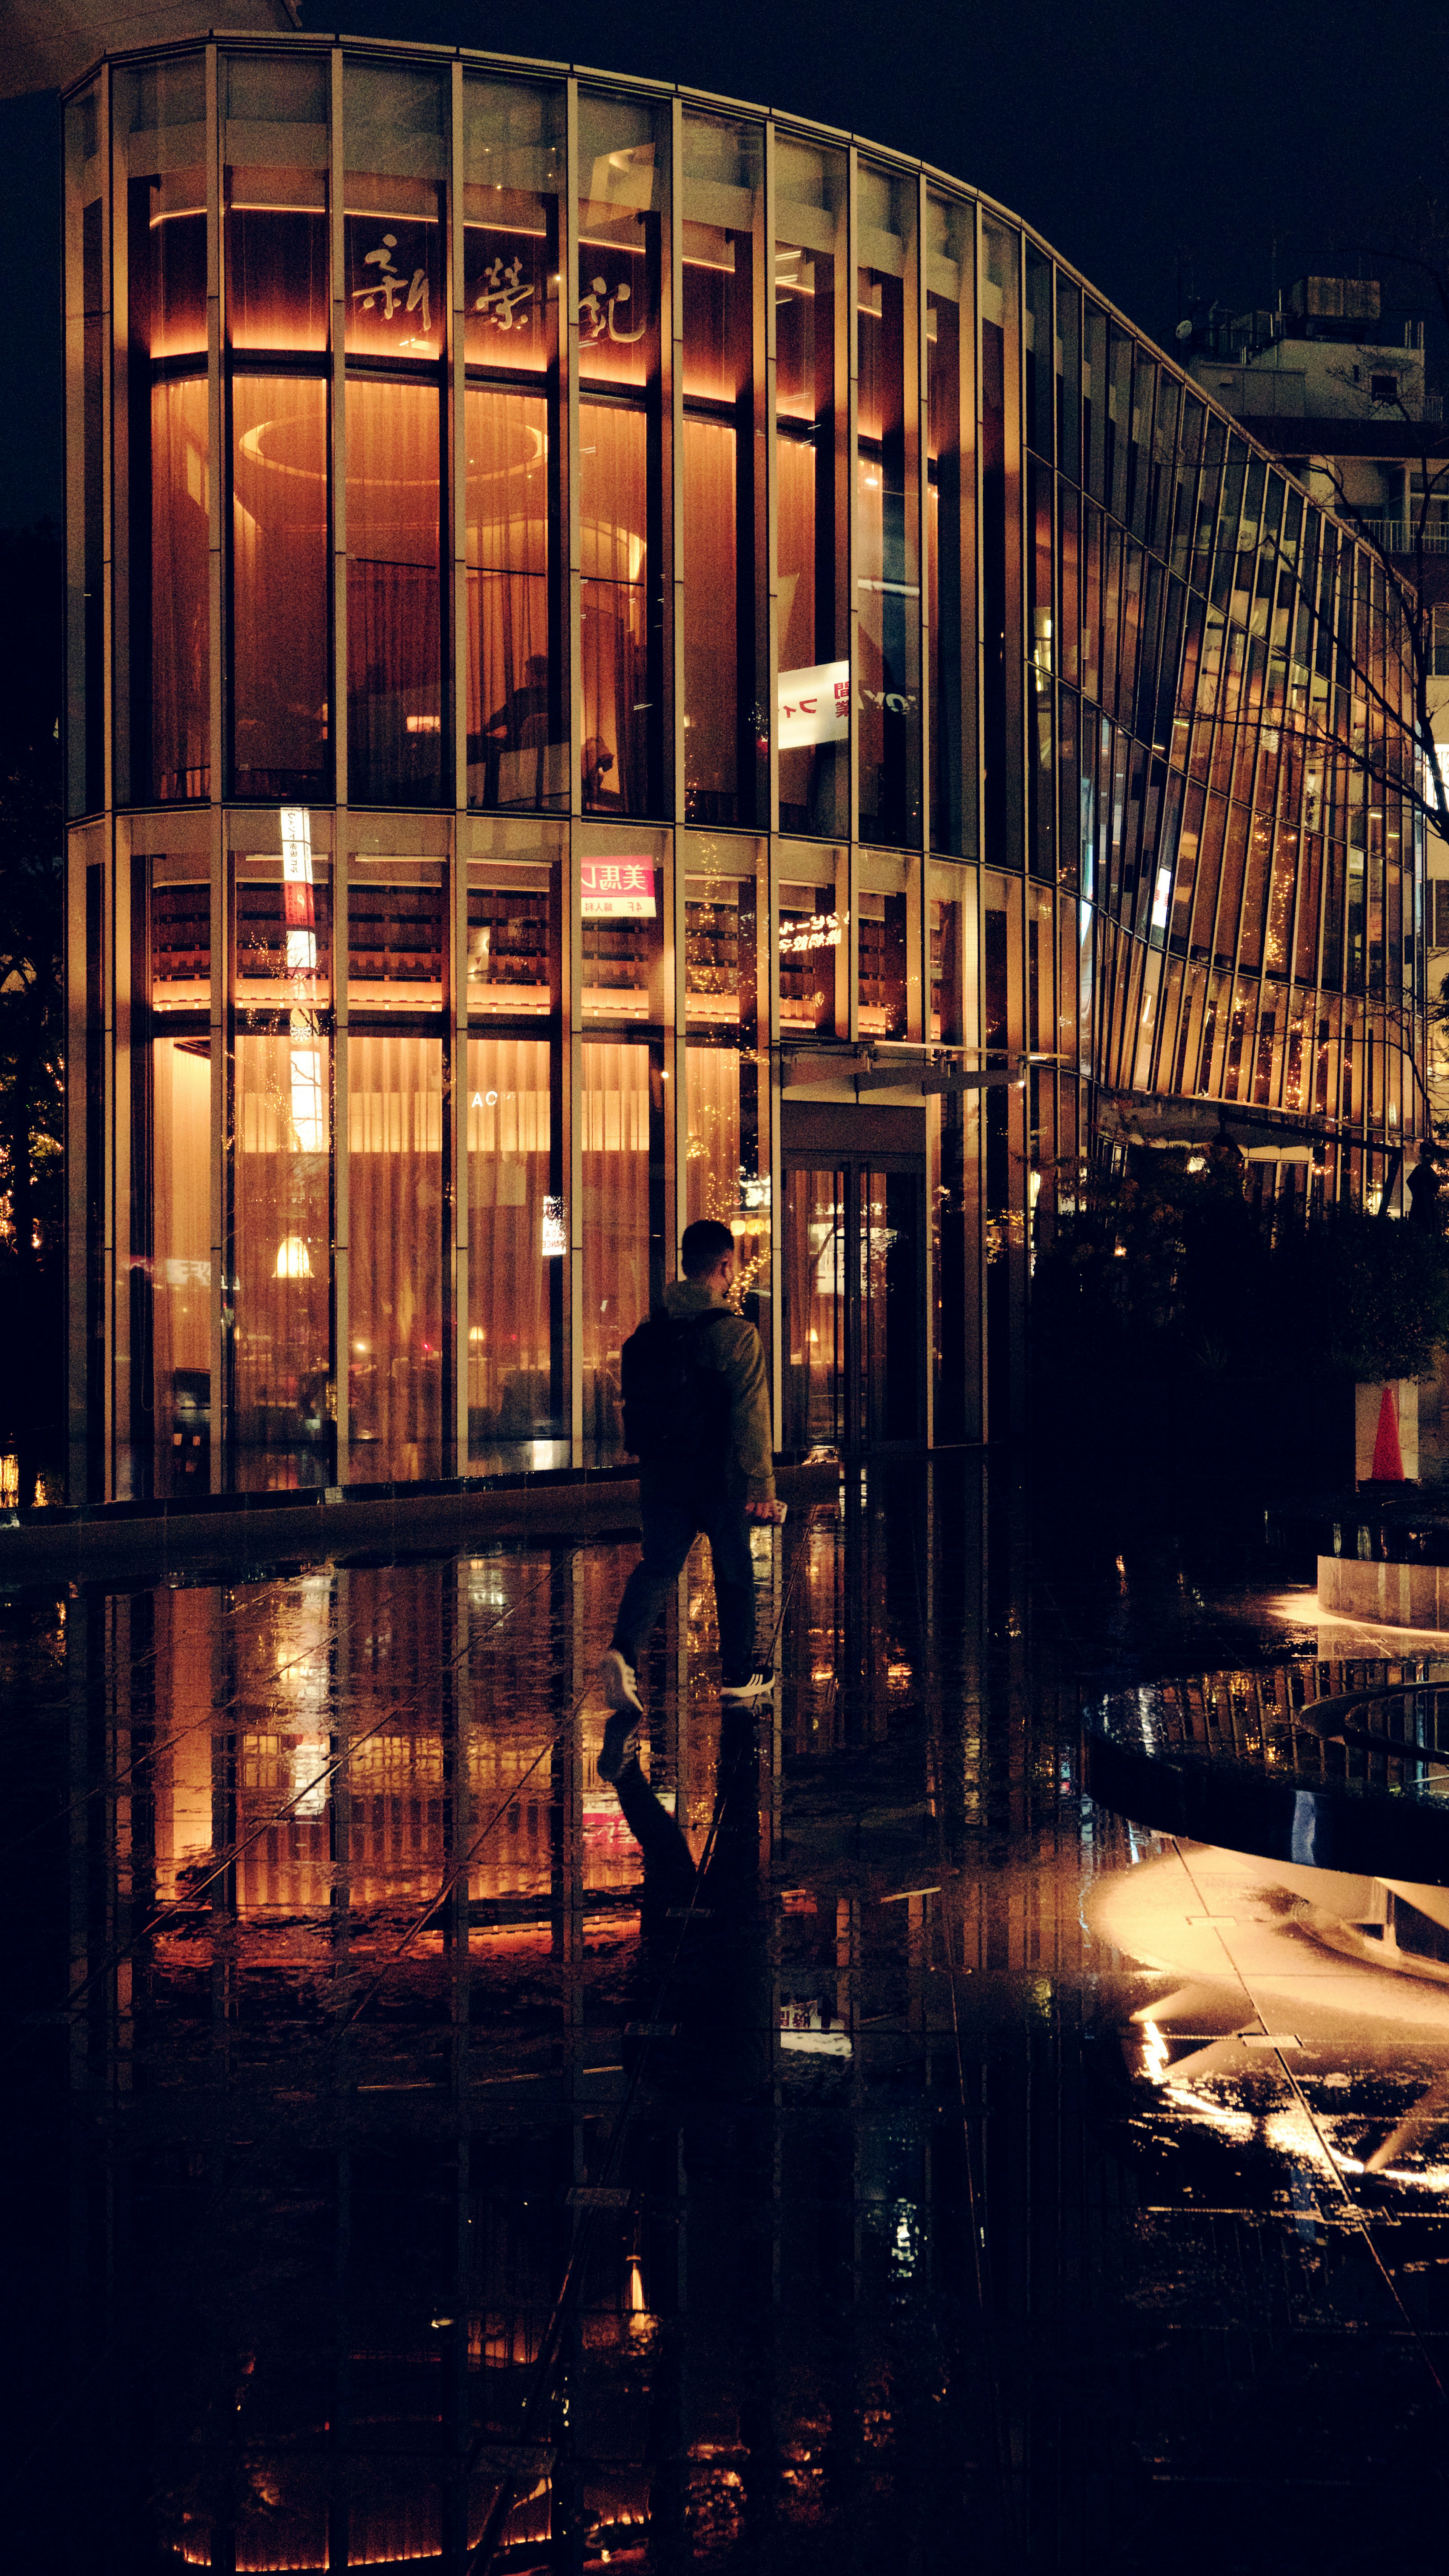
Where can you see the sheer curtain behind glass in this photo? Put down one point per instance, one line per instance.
(614, 595)
(394, 594)
(510, 1352)
(180, 587)
(395, 1320)
(711, 644)
(614, 1110)
(181, 1264)
(282, 1227)
(622, 177)
(280, 650)
(509, 758)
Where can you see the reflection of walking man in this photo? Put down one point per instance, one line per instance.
(717, 1488)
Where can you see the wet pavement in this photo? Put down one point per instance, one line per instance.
(840, 2145)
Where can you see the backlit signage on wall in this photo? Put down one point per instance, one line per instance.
(617, 890)
(814, 705)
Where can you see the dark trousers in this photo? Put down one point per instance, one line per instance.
(674, 1513)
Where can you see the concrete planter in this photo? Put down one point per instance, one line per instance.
(1368, 1416)
(1390, 1596)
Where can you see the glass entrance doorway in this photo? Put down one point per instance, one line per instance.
(853, 1316)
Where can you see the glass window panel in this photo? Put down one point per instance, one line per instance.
(621, 730)
(395, 1268)
(1041, 818)
(1185, 481)
(280, 622)
(712, 637)
(621, 931)
(514, 1311)
(1040, 353)
(887, 537)
(181, 1258)
(274, 148)
(812, 931)
(1069, 377)
(723, 172)
(712, 1175)
(280, 961)
(394, 944)
(516, 753)
(1000, 560)
(160, 128)
(394, 129)
(394, 594)
(614, 1113)
(813, 715)
(622, 162)
(180, 947)
(1118, 424)
(1139, 442)
(173, 715)
(511, 939)
(1094, 399)
(281, 1260)
(513, 176)
(722, 1176)
(1069, 836)
(950, 421)
(881, 954)
(1069, 626)
(1164, 441)
(86, 334)
(1091, 596)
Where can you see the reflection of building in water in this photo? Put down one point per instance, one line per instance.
(429, 2096)
(919, 657)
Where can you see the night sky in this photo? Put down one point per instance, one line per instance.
(1264, 140)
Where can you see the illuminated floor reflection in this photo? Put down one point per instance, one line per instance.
(837, 2145)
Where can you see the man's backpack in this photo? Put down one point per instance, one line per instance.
(674, 1410)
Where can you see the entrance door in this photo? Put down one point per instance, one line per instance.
(853, 1318)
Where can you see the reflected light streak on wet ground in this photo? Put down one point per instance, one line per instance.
(839, 2145)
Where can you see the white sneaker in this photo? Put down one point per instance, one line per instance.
(617, 1682)
(757, 1685)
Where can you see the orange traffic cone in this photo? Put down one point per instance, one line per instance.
(1388, 1456)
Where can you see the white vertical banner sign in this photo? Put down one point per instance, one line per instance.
(299, 918)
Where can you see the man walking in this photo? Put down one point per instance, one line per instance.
(696, 1411)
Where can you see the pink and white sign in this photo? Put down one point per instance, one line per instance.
(815, 705)
(617, 890)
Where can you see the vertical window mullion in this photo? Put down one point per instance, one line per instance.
(570, 1169)
(456, 1247)
(337, 728)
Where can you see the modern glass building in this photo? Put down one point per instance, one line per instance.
(630, 659)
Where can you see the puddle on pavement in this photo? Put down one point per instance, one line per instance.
(837, 2142)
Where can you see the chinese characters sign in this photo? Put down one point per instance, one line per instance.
(506, 291)
(395, 287)
(617, 890)
(815, 705)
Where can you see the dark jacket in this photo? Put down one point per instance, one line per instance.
(734, 1349)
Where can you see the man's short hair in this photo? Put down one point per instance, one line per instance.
(702, 1245)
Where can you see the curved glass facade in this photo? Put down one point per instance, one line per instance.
(628, 660)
